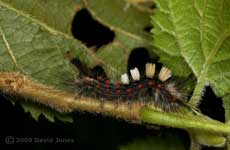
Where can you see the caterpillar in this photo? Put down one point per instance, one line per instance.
(152, 87)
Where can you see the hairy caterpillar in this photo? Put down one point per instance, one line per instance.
(156, 88)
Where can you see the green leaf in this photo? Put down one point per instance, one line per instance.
(35, 49)
(57, 26)
(56, 15)
(198, 33)
(34, 42)
(35, 110)
(35, 36)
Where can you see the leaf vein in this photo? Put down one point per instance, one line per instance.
(8, 47)
(217, 45)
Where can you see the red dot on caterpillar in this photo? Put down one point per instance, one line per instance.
(129, 90)
(139, 86)
(159, 85)
(107, 81)
(150, 83)
(118, 92)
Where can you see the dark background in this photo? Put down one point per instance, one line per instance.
(89, 131)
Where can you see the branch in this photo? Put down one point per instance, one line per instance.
(16, 83)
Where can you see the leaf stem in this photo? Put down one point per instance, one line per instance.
(192, 122)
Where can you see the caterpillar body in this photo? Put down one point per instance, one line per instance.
(151, 88)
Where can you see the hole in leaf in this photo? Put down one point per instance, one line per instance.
(84, 70)
(139, 57)
(98, 73)
(211, 105)
(148, 28)
(90, 31)
(153, 6)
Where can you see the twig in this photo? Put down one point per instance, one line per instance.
(16, 83)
